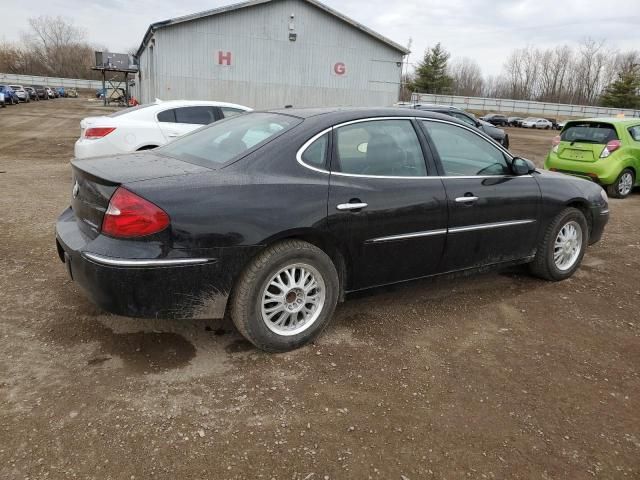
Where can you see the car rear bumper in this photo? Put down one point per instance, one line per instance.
(174, 286)
(604, 173)
(84, 148)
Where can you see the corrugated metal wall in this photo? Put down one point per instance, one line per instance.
(268, 70)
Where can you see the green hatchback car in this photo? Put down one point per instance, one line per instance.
(605, 150)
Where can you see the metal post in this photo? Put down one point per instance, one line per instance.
(104, 89)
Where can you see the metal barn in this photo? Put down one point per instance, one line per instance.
(269, 53)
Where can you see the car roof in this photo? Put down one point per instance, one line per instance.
(616, 120)
(186, 103)
(345, 114)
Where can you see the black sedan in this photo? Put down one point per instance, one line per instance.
(496, 119)
(271, 217)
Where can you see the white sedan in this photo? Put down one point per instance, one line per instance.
(537, 123)
(148, 126)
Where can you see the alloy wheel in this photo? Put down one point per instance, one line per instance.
(293, 299)
(625, 184)
(568, 246)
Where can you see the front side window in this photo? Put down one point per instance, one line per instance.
(379, 148)
(635, 133)
(464, 153)
(464, 118)
(228, 139)
(195, 115)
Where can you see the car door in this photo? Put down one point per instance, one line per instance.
(493, 214)
(390, 215)
(179, 121)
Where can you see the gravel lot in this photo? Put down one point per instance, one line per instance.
(494, 376)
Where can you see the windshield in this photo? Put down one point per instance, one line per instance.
(222, 141)
(589, 132)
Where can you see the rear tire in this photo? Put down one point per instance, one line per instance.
(285, 297)
(623, 185)
(562, 248)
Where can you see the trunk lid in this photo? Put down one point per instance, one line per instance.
(95, 180)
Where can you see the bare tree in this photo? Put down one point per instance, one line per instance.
(58, 46)
(467, 77)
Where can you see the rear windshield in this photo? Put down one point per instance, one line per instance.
(222, 141)
(589, 132)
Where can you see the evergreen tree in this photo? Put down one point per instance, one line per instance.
(431, 74)
(624, 92)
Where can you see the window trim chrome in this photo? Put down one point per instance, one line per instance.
(308, 143)
(144, 262)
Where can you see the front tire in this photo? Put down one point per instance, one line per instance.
(562, 248)
(286, 296)
(623, 186)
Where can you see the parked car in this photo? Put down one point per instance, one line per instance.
(495, 133)
(272, 217)
(560, 125)
(515, 121)
(41, 91)
(21, 93)
(72, 93)
(554, 122)
(496, 119)
(50, 92)
(2, 102)
(148, 126)
(605, 150)
(540, 123)
(61, 92)
(32, 93)
(10, 97)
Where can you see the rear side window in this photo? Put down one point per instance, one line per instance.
(168, 116)
(589, 132)
(230, 112)
(380, 148)
(316, 154)
(635, 133)
(195, 115)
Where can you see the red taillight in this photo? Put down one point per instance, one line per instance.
(555, 143)
(130, 215)
(611, 147)
(98, 132)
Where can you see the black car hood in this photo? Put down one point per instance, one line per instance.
(136, 167)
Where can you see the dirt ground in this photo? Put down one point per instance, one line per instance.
(494, 376)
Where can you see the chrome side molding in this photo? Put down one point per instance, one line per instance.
(143, 262)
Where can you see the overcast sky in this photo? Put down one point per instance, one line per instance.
(485, 30)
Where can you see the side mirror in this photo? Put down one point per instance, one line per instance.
(522, 166)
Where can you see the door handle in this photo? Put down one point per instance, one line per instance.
(466, 199)
(173, 135)
(352, 206)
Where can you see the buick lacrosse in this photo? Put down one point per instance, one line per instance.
(272, 217)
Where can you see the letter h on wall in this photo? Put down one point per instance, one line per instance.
(224, 58)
